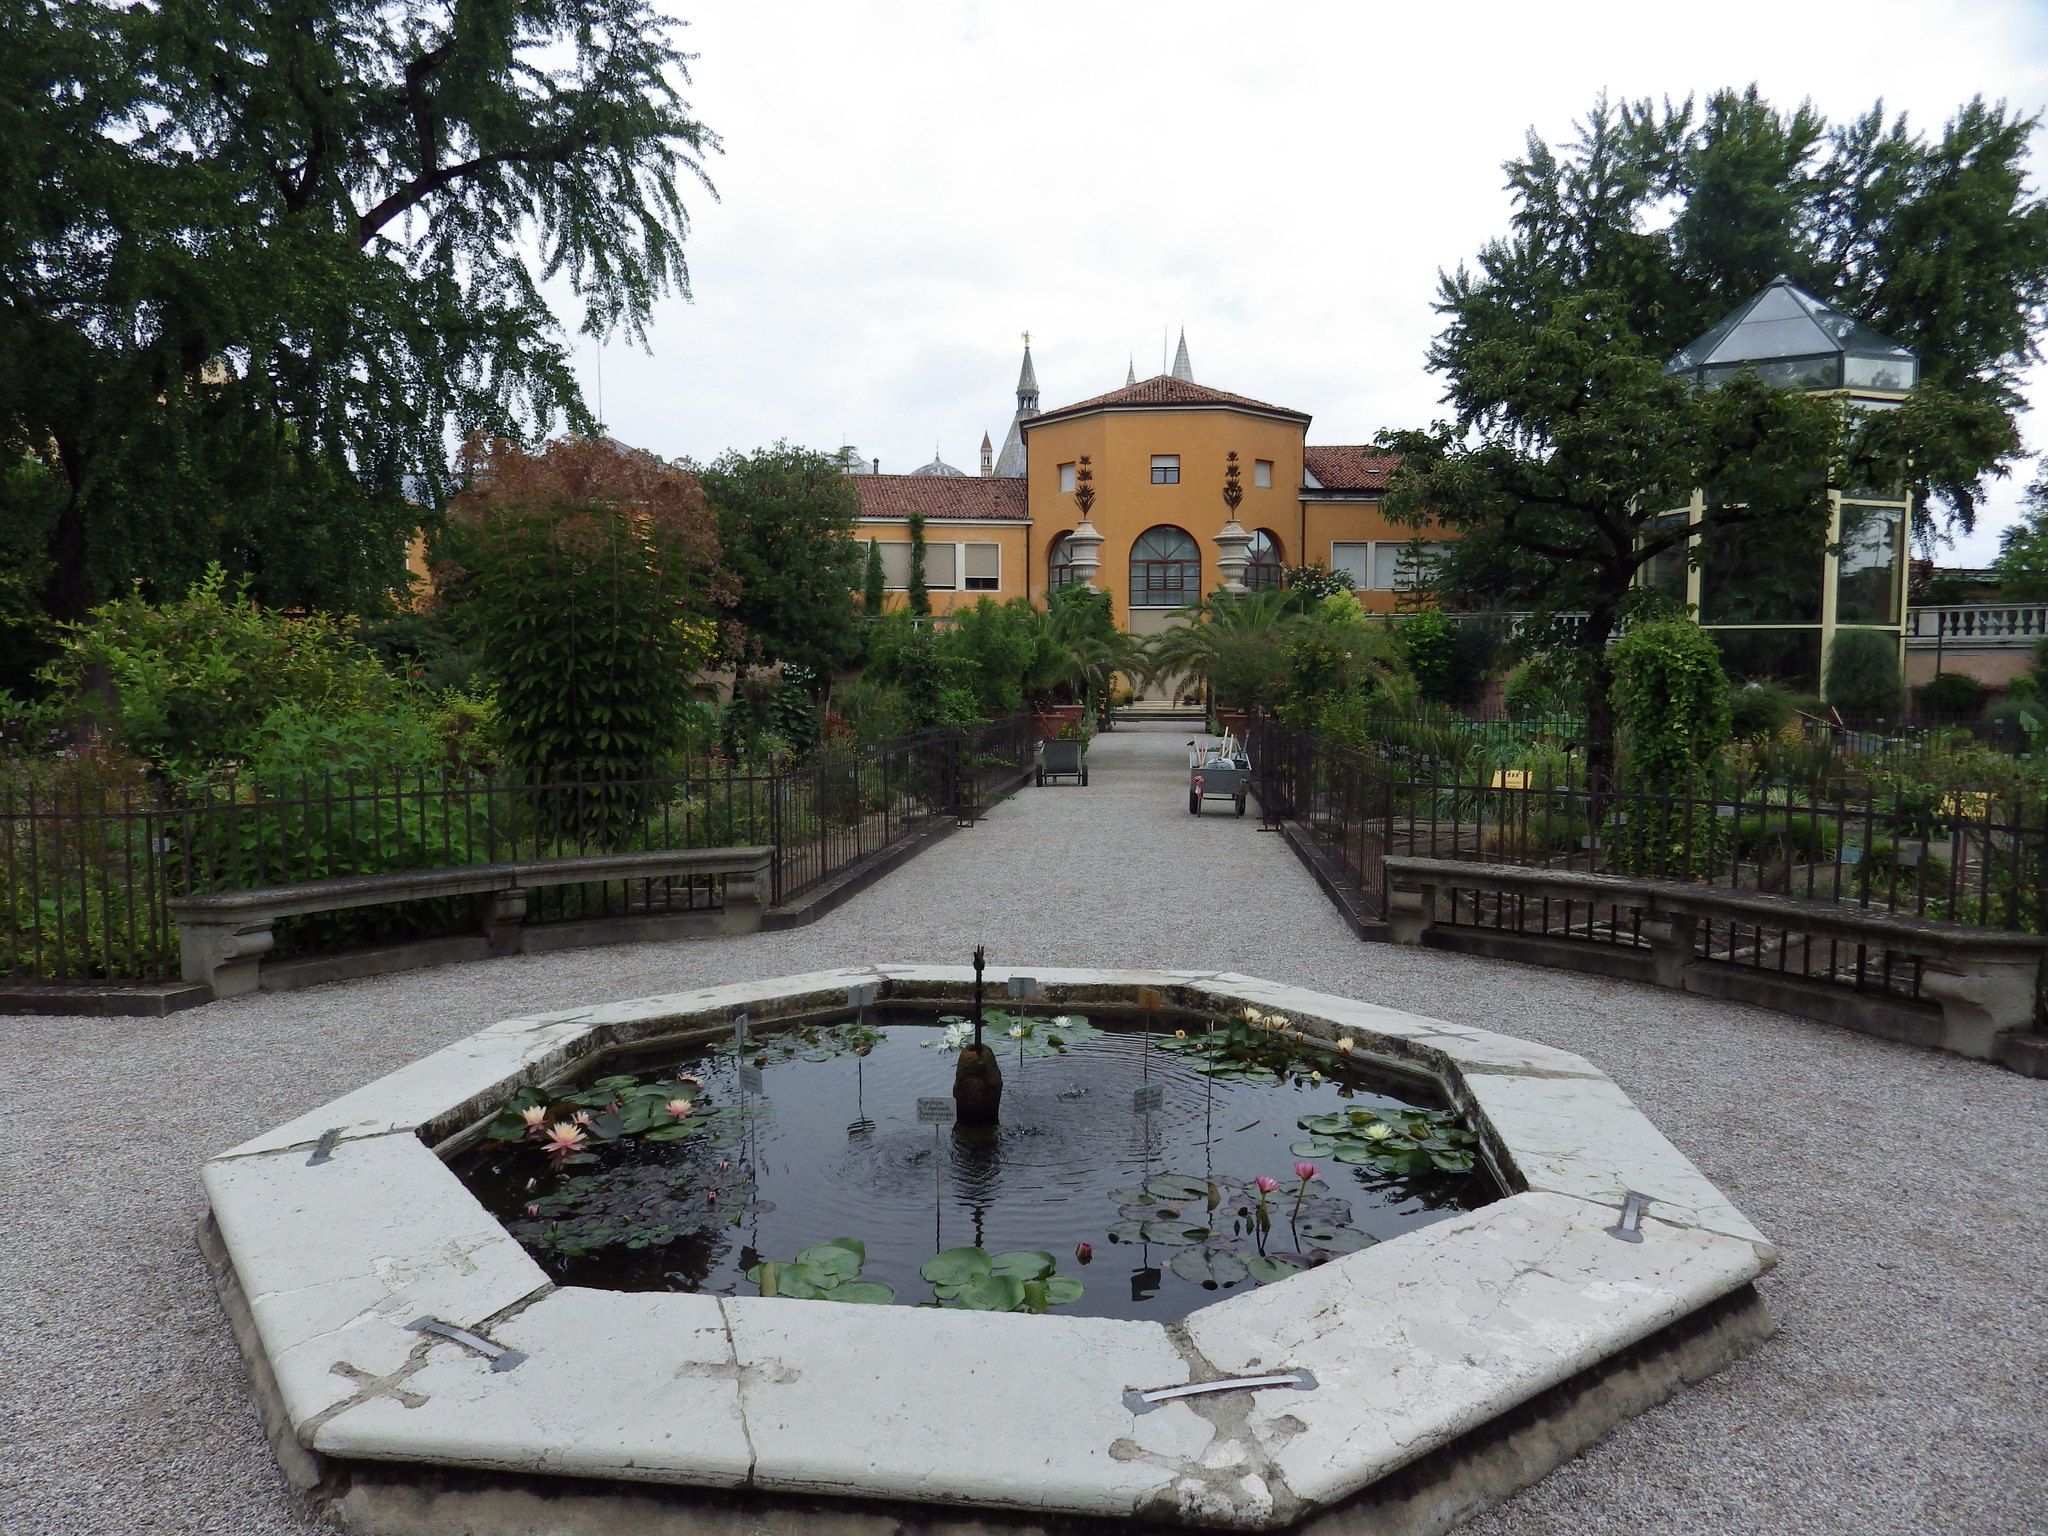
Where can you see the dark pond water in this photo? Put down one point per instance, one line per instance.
(1122, 1141)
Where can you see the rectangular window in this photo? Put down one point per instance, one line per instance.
(984, 563)
(941, 567)
(1353, 561)
(1166, 469)
(1066, 479)
(895, 565)
(1395, 567)
(1262, 474)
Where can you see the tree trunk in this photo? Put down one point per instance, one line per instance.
(1599, 707)
(67, 592)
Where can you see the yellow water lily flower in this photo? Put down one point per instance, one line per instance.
(1346, 1044)
(1379, 1130)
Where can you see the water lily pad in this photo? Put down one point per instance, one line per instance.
(1025, 1264)
(1334, 1239)
(1062, 1289)
(1266, 1268)
(956, 1267)
(840, 1258)
(1172, 1234)
(1320, 1147)
(1177, 1186)
(991, 1293)
(1209, 1269)
(872, 1292)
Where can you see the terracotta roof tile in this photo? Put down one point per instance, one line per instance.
(1163, 389)
(1350, 466)
(994, 500)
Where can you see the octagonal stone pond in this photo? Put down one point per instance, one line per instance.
(554, 1278)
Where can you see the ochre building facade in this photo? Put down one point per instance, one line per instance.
(1158, 450)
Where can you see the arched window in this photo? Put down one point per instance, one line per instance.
(1166, 568)
(1059, 563)
(1265, 569)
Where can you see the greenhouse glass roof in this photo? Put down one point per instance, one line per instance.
(1795, 341)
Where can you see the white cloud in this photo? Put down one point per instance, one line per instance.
(906, 188)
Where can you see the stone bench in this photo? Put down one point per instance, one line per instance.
(223, 937)
(1983, 980)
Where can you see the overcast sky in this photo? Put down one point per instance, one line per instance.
(906, 188)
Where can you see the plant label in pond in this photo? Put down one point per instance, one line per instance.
(750, 1080)
(935, 1110)
(1023, 986)
(739, 1031)
(862, 996)
(1148, 1098)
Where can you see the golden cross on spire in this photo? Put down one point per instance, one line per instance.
(1027, 338)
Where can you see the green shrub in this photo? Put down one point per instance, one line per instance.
(584, 576)
(1671, 702)
(1950, 696)
(194, 680)
(1548, 684)
(1429, 640)
(1863, 679)
(1777, 835)
(1759, 710)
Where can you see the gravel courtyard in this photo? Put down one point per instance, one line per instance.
(1907, 1392)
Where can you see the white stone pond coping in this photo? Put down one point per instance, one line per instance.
(1411, 1343)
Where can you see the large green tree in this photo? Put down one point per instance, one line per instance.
(2023, 549)
(786, 520)
(1566, 440)
(258, 263)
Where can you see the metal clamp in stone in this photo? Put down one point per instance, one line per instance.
(1629, 1229)
(501, 1358)
(323, 1149)
(1145, 1401)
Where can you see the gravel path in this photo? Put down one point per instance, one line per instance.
(1907, 1393)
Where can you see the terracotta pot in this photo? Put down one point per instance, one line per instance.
(1235, 721)
(1047, 720)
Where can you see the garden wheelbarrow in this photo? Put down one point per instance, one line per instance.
(1063, 760)
(1218, 771)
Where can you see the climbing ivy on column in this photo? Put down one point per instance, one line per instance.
(1670, 699)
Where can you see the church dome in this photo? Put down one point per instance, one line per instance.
(939, 466)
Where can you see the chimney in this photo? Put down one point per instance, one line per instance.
(878, 466)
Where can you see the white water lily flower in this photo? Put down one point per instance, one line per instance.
(1346, 1044)
(1016, 1031)
(1379, 1130)
(956, 1036)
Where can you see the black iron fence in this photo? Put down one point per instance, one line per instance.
(1965, 856)
(88, 869)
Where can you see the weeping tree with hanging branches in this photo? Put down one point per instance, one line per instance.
(258, 264)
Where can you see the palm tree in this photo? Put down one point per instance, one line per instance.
(1234, 646)
(1081, 650)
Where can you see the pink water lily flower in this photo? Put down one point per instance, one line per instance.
(535, 1116)
(1266, 1184)
(679, 1108)
(1084, 1251)
(1304, 1171)
(563, 1138)
(724, 1167)
(694, 1082)
(581, 1117)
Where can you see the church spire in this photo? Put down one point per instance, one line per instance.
(1131, 372)
(988, 457)
(1027, 382)
(1010, 462)
(1182, 369)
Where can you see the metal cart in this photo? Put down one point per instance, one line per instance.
(1063, 760)
(1218, 771)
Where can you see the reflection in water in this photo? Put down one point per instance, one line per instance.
(826, 1143)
